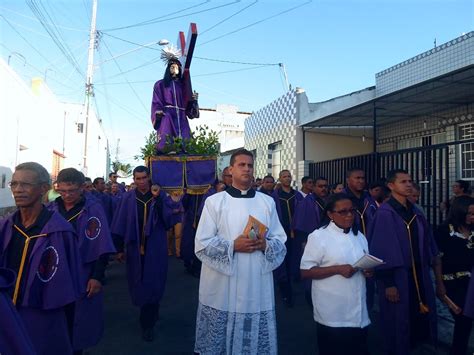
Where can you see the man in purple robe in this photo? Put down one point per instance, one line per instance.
(363, 202)
(168, 107)
(14, 338)
(139, 231)
(41, 248)
(191, 205)
(285, 198)
(268, 183)
(401, 237)
(105, 199)
(87, 217)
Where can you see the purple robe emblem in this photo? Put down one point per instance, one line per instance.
(93, 228)
(48, 264)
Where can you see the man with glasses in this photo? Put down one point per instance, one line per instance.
(87, 217)
(41, 247)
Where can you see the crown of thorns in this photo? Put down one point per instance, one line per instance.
(170, 52)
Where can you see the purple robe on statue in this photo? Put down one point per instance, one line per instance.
(14, 338)
(174, 123)
(146, 273)
(94, 240)
(469, 305)
(51, 281)
(389, 242)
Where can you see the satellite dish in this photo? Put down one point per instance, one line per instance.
(163, 42)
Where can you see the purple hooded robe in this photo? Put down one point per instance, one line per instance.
(14, 338)
(94, 240)
(174, 123)
(146, 283)
(51, 281)
(389, 242)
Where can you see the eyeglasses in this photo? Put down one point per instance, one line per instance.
(67, 192)
(345, 213)
(21, 184)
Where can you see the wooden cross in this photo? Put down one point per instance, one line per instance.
(187, 50)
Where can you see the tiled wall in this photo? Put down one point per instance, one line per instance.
(273, 123)
(440, 60)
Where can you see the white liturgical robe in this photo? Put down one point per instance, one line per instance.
(236, 313)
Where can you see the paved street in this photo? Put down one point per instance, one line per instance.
(175, 330)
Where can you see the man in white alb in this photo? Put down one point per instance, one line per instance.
(236, 312)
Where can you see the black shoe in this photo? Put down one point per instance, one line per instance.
(148, 334)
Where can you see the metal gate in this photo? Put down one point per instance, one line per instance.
(428, 166)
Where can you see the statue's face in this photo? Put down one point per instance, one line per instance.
(174, 69)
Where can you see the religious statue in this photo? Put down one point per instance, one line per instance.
(173, 99)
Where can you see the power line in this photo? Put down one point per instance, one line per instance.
(256, 22)
(121, 71)
(236, 62)
(228, 18)
(35, 19)
(229, 71)
(54, 33)
(164, 19)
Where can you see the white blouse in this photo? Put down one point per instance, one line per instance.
(337, 301)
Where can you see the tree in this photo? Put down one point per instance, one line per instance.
(124, 170)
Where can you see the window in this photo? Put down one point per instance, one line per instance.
(275, 159)
(58, 162)
(466, 132)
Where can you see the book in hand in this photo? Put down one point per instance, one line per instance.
(254, 228)
(367, 262)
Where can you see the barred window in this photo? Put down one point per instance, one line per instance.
(466, 132)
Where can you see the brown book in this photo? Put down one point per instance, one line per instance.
(254, 228)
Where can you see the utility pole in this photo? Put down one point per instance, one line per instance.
(90, 74)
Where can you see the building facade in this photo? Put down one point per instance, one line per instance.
(36, 126)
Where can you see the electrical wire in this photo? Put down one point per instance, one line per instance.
(55, 34)
(235, 62)
(121, 71)
(229, 71)
(35, 19)
(256, 22)
(228, 18)
(164, 18)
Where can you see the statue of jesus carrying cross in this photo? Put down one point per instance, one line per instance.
(173, 99)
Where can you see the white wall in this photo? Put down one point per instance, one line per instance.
(33, 124)
(227, 121)
(322, 147)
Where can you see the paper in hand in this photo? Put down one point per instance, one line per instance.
(254, 228)
(368, 262)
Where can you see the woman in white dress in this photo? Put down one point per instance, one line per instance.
(338, 289)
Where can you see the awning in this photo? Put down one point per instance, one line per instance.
(430, 98)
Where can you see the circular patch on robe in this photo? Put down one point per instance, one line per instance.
(48, 264)
(93, 228)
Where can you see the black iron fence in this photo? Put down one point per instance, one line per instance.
(431, 167)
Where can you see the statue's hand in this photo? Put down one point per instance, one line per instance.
(159, 114)
(195, 96)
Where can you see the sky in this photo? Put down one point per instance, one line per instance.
(328, 48)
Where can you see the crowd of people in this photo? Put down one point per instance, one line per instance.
(241, 237)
